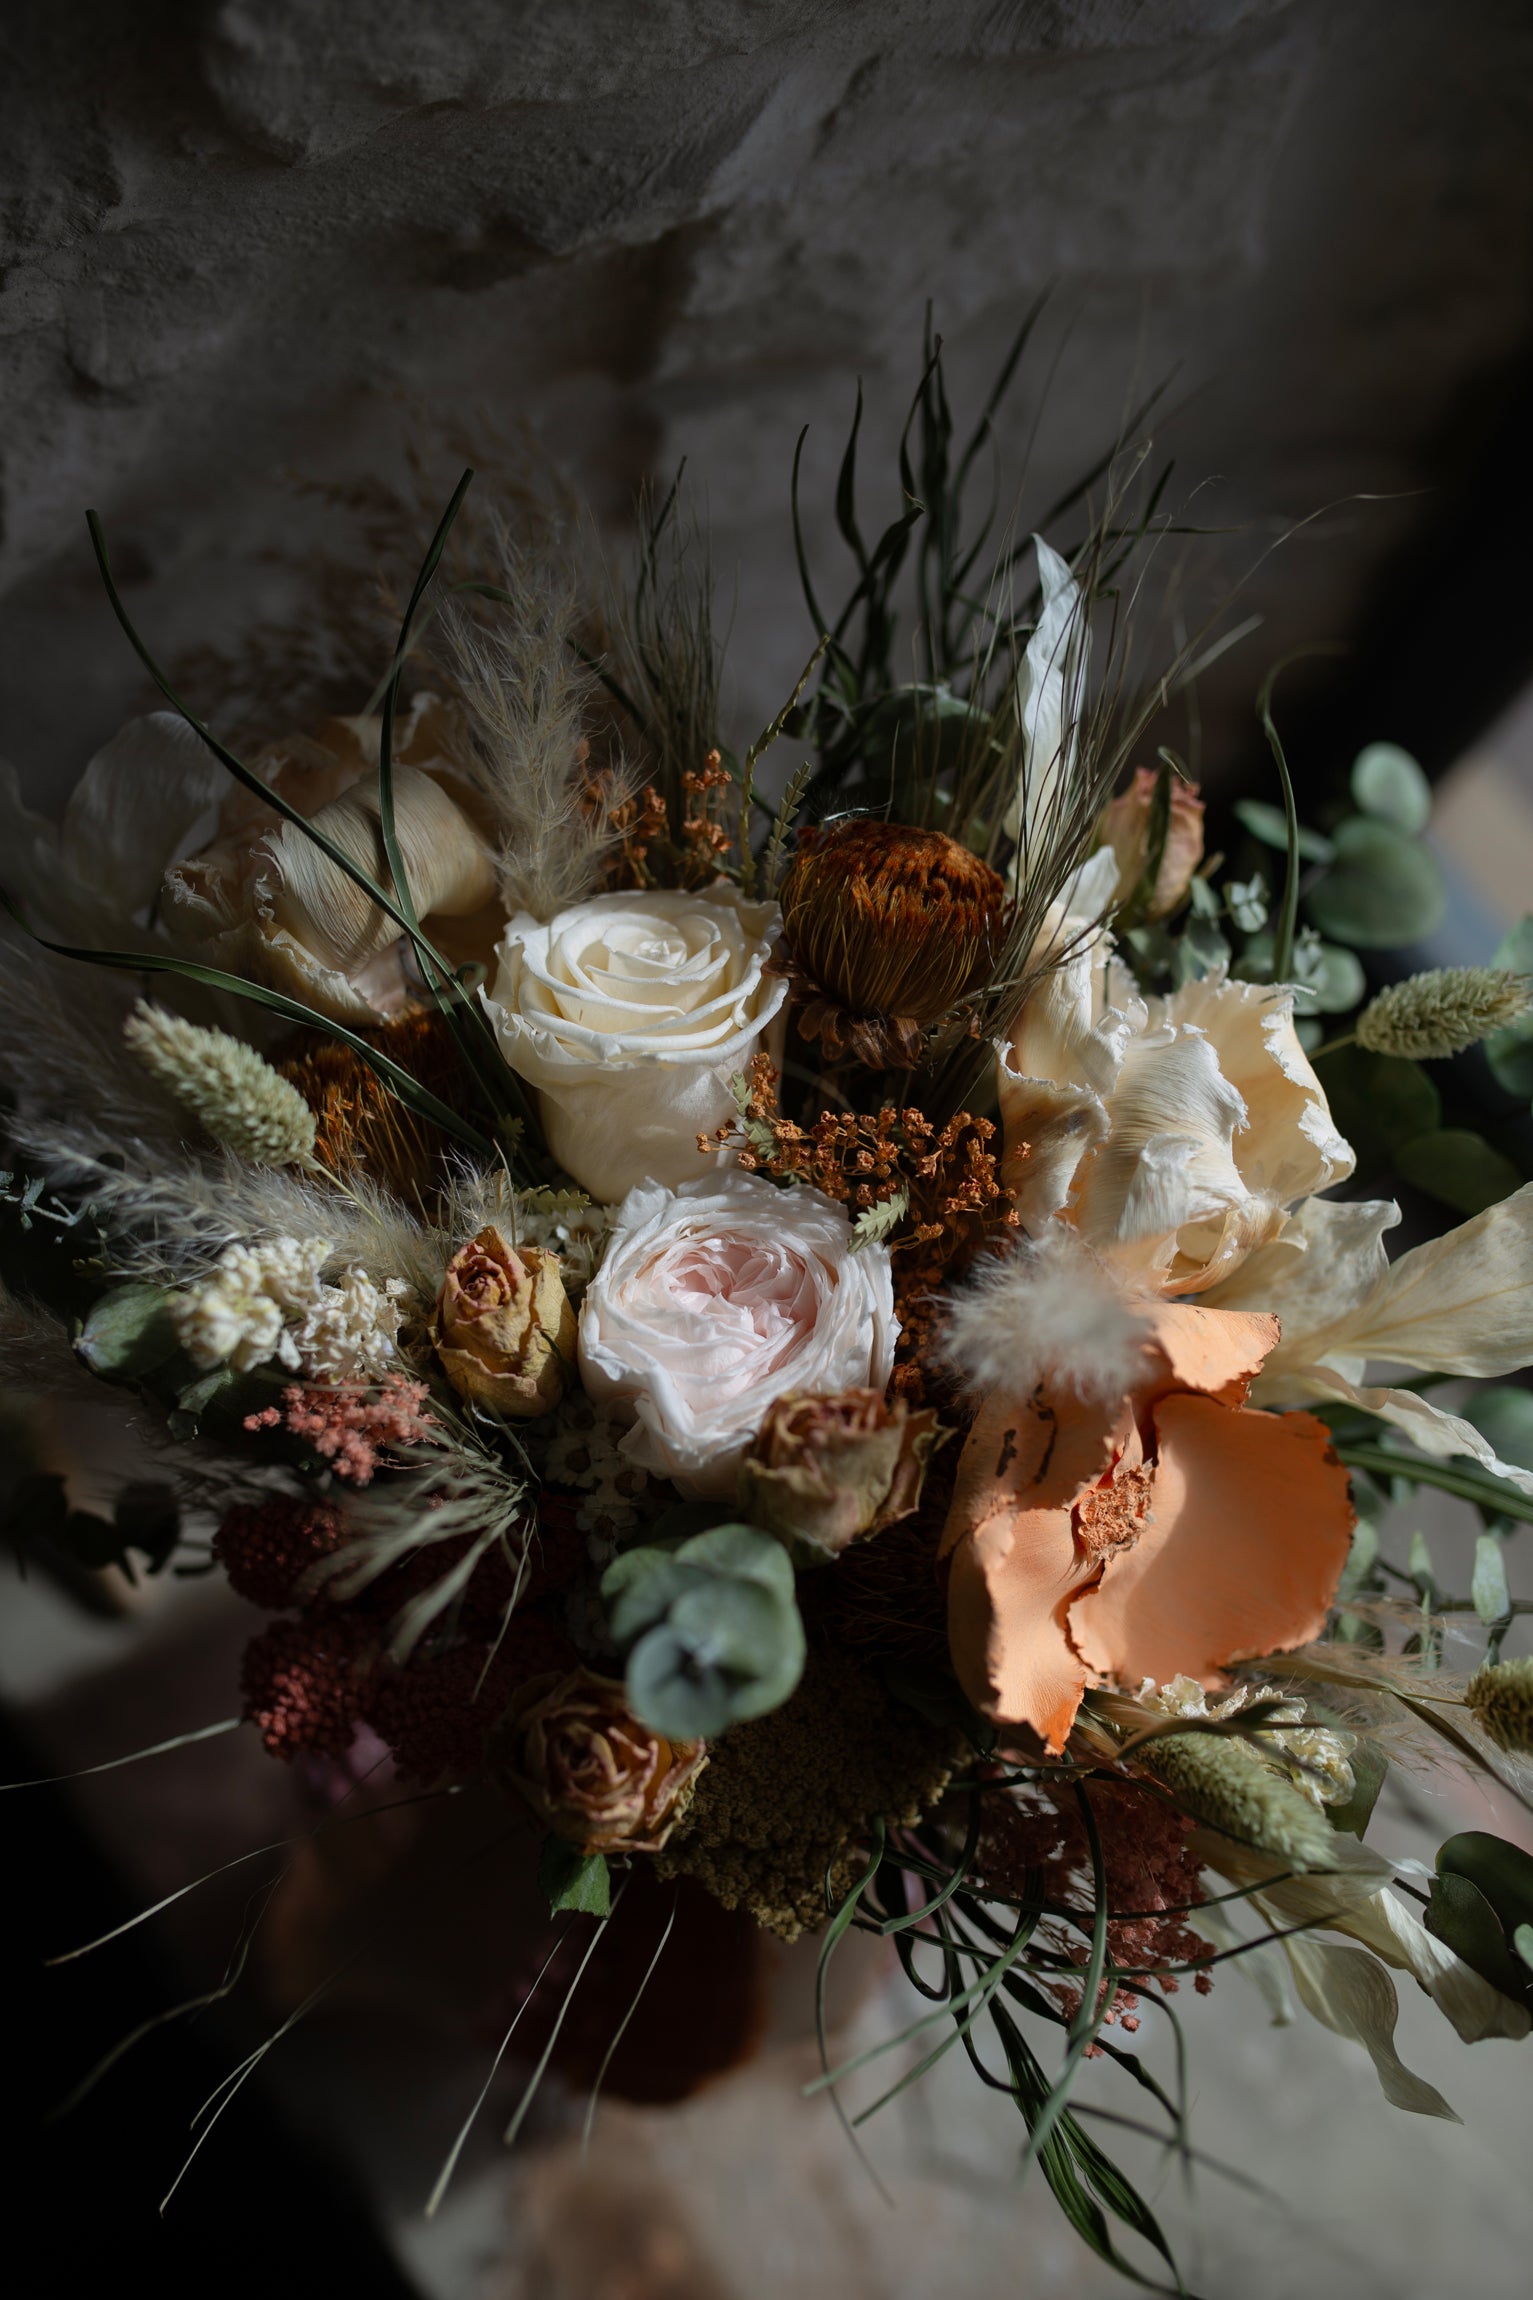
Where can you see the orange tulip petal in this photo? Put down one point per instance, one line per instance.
(1217, 1352)
(1249, 1530)
(1009, 1593)
(1016, 1565)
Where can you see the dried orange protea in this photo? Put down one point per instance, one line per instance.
(888, 929)
(361, 1126)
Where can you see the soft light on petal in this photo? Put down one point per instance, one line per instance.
(1015, 1562)
(1290, 1147)
(1350, 1992)
(1460, 1304)
(1248, 1533)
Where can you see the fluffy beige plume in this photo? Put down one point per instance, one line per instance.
(526, 696)
(232, 1092)
(1046, 1309)
(61, 1046)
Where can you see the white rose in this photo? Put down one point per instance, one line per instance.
(629, 1014)
(715, 1300)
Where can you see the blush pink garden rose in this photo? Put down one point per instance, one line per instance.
(715, 1300)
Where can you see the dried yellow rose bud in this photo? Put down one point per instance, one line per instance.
(572, 1750)
(830, 1471)
(503, 1328)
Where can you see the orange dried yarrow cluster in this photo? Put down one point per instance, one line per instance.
(645, 853)
(948, 1175)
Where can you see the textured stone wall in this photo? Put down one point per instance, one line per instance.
(243, 237)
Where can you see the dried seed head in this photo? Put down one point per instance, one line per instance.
(1224, 1783)
(1501, 1698)
(1429, 1016)
(892, 927)
(229, 1089)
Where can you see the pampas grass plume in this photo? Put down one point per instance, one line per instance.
(1045, 1310)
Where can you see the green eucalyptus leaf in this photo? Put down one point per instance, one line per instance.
(573, 1879)
(1333, 978)
(1504, 1418)
(1464, 1921)
(1501, 1871)
(1379, 1102)
(1383, 890)
(1460, 1168)
(127, 1334)
(742, 1551)
(1488, 1590)
(673, 1693)
(641, 1587)
(1510, 1052)
(1270, 825)
(1387, 783)
(734, 1625)
(1199, 949)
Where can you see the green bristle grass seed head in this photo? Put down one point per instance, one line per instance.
(1501, 1698)
(1429, 1016)
(229, 1089)
(1224, 1783)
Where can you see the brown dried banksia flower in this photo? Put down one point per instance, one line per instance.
(361, 1125)
(888, 929)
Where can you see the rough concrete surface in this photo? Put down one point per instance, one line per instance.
(240, 235)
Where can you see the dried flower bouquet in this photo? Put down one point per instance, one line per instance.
(812, 1342)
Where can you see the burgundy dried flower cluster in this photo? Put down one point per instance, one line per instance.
(1149, 1868)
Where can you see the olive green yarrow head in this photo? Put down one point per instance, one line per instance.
(1501, 1698)
(1227, 1785)
(228, 1088)
(1432, 1015)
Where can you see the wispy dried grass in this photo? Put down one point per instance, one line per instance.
(515, 667)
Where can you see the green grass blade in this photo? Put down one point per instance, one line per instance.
(409, 1090)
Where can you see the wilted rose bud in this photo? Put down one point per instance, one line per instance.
(573, 1751)
(1125, 827)
(504, 1329)
(888, 929)
(830, 1471)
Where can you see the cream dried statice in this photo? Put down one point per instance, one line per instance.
(1319, 1756)
(270, 1301)
(229, 1089)
(1430, 1016)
